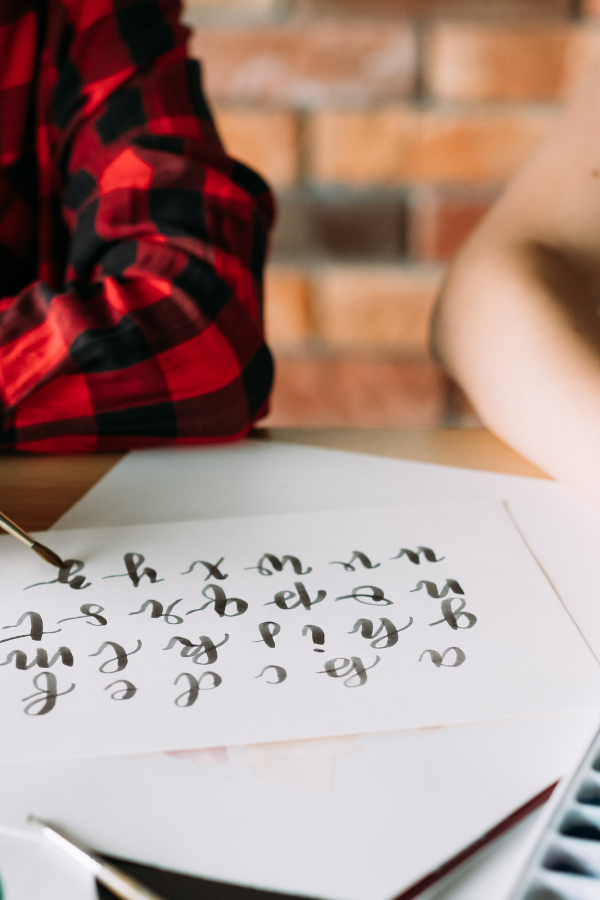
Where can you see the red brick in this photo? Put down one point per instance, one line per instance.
(479, 62)
(287, 315)
(479, 9)
(340, 225)
(397, 144)
(304, 65)
(232, 7)
(263, 139)
(441, 219)
(376, 307)
(362, 393)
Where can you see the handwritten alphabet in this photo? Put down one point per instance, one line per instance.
(282, 597)
(41, 658)
(67, 574)
(438, 658)
(356, 555)
(190, 696)
(45, 697)
(391, 632)
(317, 634)
(125, 693)
(414, 557)
(268, 633)
(351, 670)
(453, 617)
(278, 564)
(90, 611)
(375, 597)
(36, 628)
(121, 659)
(278, 671)
(156, 611)
(205, 648)
(383, 634)
(133, 563)
(213, 569)
(221, 602)
(432, 588)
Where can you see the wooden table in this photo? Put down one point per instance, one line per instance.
(36, 490)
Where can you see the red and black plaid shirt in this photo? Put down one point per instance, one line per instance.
(131, 245)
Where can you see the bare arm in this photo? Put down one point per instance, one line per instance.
(517, 323)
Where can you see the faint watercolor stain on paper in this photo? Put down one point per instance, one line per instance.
(308, 764)
(209, 756)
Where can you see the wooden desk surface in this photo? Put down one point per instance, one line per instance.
(36, 490)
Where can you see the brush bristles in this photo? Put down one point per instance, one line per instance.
(48, 555)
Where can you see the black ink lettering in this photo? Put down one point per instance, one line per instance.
(317, 634)
(268, 633)
(213, 569)
(280, 674)
(432, 588)
(126, 693)
(121, 659)
(195, 686)
(45, 696)
(91, 611)
(366, 628)
(41, 658)
(278, 564)
(157, 611)
(414, 557)
(348, 669)
(452, 618)
(438, 658)
(133, 561)
(67, 574)
(391, 632)
(374, 598)
(186, 644)
(281, 598)
(36, 628)
(206, 647)
(20, 658)
(221, 602)
(36, 625)
(191, 695)
(361, 557)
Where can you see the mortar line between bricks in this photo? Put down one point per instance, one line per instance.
(303, 154)
(421, 30)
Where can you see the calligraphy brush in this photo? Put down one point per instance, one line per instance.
(118, 882)
(21, 535)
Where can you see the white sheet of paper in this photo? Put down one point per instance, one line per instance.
(32, 869)
(494, 872)
(261, 478)
(402, 802)
(277, 628)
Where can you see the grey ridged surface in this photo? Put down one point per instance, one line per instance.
(565, 864)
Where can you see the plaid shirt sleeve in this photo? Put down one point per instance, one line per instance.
(144, 323)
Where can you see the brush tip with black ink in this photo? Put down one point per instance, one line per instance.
(47, 554)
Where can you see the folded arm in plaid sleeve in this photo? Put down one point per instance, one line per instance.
(131, 245)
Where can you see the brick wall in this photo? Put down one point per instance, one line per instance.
(387, 127)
